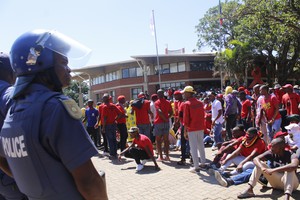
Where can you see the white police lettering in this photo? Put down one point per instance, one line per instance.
(14, 147)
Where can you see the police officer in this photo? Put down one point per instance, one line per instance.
(8, 187)
(44, 142)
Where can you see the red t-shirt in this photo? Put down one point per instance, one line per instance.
(177, 105)
(142, 115)
(122, 120)
(180, 112)
(259, 146)
(165, 106)
(291, 102)
(240, 139)
(143, 142)
(245, 105)
(100, 108)
(111, 111)
(193, 115)
(268, 105)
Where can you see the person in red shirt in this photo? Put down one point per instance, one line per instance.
(141, 107)
(100, 122)
(270, 109)
(251, 146)
(193, 119)
(110, 114)
(140, 149)
(121, 122)
(228, 147)
(162, 125)
(178, 122)
(245, 111)
(290, 100)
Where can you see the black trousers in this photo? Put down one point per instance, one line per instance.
(93, 133)
(104, 141)
(123, 135)
(230, 124)
(137, 154)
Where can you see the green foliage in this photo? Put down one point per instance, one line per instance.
(265, 31)
(73, 90)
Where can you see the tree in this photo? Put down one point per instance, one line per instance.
(209, 31)
(270, 28)
(74, 88)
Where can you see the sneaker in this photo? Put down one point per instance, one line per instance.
(214, 148)
(194, 170)
(203, 167)
(181, 162)
(143, 162)
(139, 167)
(222, 181)
(263, 181)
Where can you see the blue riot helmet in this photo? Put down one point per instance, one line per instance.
(33, 52)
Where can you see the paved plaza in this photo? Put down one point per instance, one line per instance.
(172, 182)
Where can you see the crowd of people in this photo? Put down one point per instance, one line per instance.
(255, 133)
(244, 127)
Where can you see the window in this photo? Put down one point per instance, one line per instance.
(98, 80)
(201, 65)
(135, 92)
(173, 68)
(132, 72)
(111, 76)
(165, 69)
(181, 67)
(112, 94)
(139, 72)
(175, 85)
(125, 73)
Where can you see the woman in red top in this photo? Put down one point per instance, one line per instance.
(245, 111)
(270, 109)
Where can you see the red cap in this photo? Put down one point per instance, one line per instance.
(279, 134)
(141, 95)
(121, 97)
(241, 88)
(177, 92)
(288, 86)
(220, 96)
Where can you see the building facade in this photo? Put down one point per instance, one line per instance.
(131, 77)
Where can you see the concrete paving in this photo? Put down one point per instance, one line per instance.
(172, 182)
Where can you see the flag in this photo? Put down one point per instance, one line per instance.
(152, 25)
(220, 13)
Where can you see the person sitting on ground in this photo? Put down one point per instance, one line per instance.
(251, 146)
(143, 151)
(228, 147)
(293, 137)
(280, 174)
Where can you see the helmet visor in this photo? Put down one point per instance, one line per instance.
(77, 53)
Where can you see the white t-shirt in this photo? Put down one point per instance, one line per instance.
(215, 107)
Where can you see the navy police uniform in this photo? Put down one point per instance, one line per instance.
(8, 188)
(40, 136)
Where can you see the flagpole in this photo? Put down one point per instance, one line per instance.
(157, 57)
(220, 40)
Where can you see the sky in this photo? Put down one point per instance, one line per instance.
(113, 29)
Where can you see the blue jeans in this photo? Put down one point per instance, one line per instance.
(274, 128)
(242, 177)
(207, 139)
(110, 132)
(218, 133)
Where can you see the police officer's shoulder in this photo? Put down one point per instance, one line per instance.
(71, 106)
